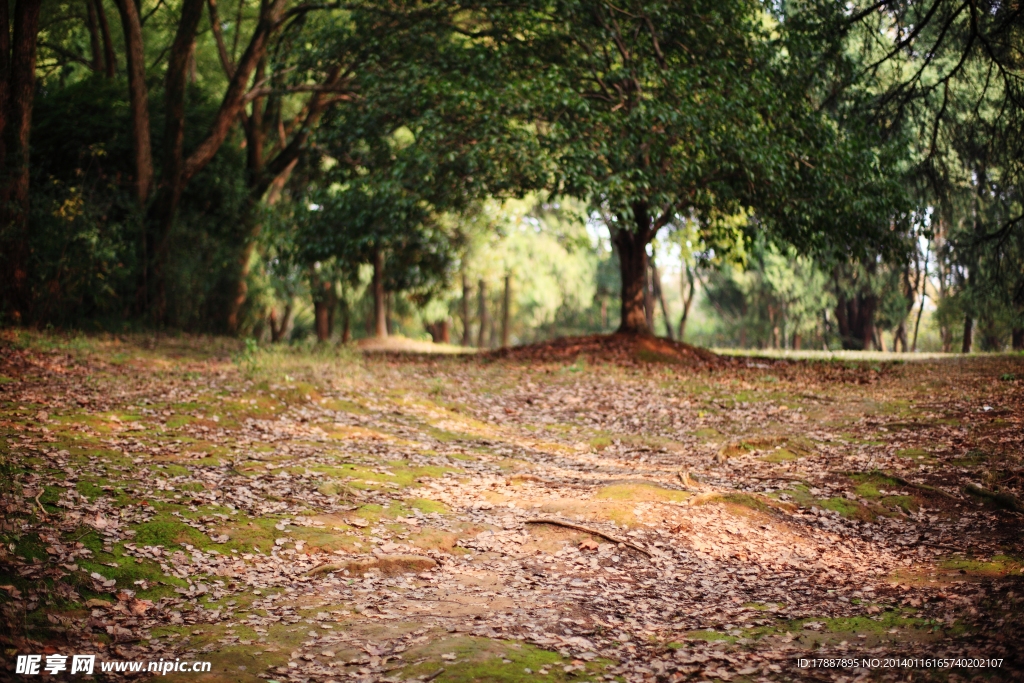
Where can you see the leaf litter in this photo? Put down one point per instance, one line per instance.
(543, 517)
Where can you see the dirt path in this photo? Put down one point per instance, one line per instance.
(313, 518)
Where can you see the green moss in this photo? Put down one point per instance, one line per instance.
(167, 532)
(779, 455)
(848, 508)
(711, 636)
(918, 454)
(640, 492)
(480, 659)
(426, 506)
(998, 565)
(904, 503)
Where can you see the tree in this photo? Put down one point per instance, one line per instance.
(650, 110)
(367, 222)
(17, 94)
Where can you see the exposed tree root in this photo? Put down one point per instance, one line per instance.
(595, 532)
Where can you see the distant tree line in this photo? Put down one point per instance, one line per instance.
(282, 167)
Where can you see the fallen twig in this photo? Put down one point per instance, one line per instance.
(434, 675)
(41, 508)
(595, 532)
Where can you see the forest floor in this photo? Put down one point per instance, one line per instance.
(331, 516)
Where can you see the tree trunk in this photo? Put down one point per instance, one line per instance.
(467, 338)
(232, 105)
(332, 305)
(174, 136)
(632, 250)
(446, 334)
(965, 347)
(245, 258)
(505, 312)
(924, 293)
(234, 97)
(796, 341)
(380, 314)
(604, 313)
(95, 45)
(277, 332)
(690, 287)
(660, 294)
(5, 99)
(323, 332)
(485, 321)
(866, 319)
(346, 324)
(388, 300)
(109, 58)
(1017, 336)
(138, 99)
(17, 96)
(649, 297)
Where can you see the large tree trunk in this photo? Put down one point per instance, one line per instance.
(1017, 336)
(109, 58)
(323, 330)
(95, 45)
(485, 321)
(138, 97)
(231, 106)
(632, 249)
(17, 96)
(5, 99)
(380, 313)
(174, 137)
(506, 311)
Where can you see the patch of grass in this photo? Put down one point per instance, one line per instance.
(480, 659)
(748, 501)
(780, 455)
(640, 492)
(167, 531)
(711, 636)
(998, 565)
(426, 506)
(868, 485)
(904, 503)
(848, 508)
